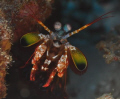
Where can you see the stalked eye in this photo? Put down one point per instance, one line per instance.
(77, 60)
(29, 39)
(67, 28)
(57, 26)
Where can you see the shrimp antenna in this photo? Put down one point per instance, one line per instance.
(85, 26)
(40, 22)
(27, 61)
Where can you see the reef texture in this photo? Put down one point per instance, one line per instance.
(22, 14)
(41, 9)
(111, 47)
(106, 96)
(16, 20)
(5, 46)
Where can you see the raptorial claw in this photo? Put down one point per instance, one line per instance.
(33, 73)
(60, 74)
(32, 77)
(50, 78)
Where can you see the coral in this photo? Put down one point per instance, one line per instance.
(111, 47)
(106, 96)
(16, 19)
(5, 46)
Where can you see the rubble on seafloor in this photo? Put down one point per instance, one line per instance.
(110, 47)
